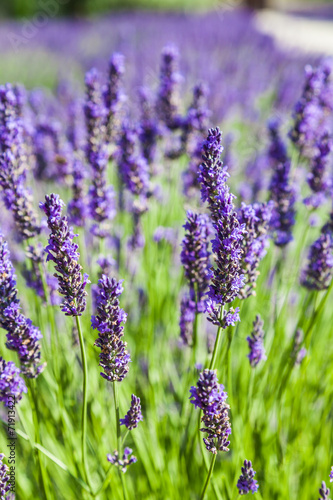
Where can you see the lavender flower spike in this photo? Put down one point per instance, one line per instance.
(134, 415)
(331, 475)
(114, 358)
(168, 99)
(4, 478)
(319, 271)
(227, 278)
(123, 463)
(12, 386)
(22, 335)
(64, 253)
(255, 341)
(246, 481)
(208, 395)
(324, 492)
(195, 255)
(113, 93)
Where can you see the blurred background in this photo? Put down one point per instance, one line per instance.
(22, 8)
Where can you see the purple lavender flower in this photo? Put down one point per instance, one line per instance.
(77, 207)
(13, 164)
(102, 207)
(114, 358)
(299, 352)
(331, 475)
(318, 179)
(256, 343)
(64, 253)
(187, 317)
(246, 481)
(12, 386)
(319, 270)
(113, 94)
(208, 395)
(195, 255)
(22, 335)
(149, 129)
(133, 168)
(312, 109)
(125, 462)
(134, 415)
(229, 318)
(190, 176)
(168, 99)
(226, 280)
(282, 192)
(324, 492)
(256, 218)
(4, 478)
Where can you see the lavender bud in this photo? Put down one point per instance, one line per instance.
(246, 481)
(64, 253)
(324, 492)
(114, 358)
(187, 317)
(319, 270)
(125, 462)
(22, 335)
(168, 99)
(256, 344)
(318, 179)
(208, 395)
(4, 478)
(113, 94)
(12, 386)
(134, 415)
(331, 475)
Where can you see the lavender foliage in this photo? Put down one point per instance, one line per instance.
(64, 253)
(114, 358)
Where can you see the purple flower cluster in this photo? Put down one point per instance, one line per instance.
(227, 278)
(299, 352)
(190, 176)
(318, 178)
(4, 478)
(168, 99)
(64, 253)
(246, 481)
(133, 168)
(256, 218)
(12, 386)
(319, 270)
(229, 318)
(313, 108)
(134, 415)
(22, 335)
(324, 492)
(187, 317)
(123, 463)
(208, 395)
(13, 163)
(101, 196)
(77, 207)
(331, 475)
(282, 192)
(149, 129)
(256, 343)
(114, 358)
(195, 254)
(113, 94)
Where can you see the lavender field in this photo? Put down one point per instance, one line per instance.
(166, 261)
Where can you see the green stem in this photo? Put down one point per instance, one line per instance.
(84, 406)
(209, 475)
(217, 343)
(34, 407)
(105, 482)
(119, 447)
(307, 336)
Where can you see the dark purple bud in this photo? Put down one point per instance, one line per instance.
(134, 415)
(246, 481)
